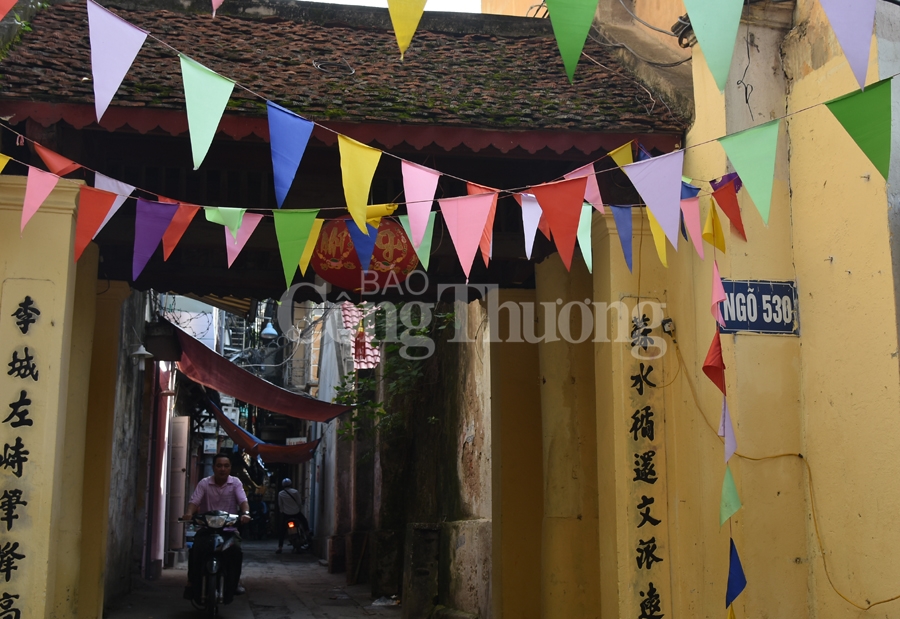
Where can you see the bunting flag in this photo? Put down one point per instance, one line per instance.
(561, 204)
(216, 4)
(737, 582)
(38, 188)
(726, 431)
(866, 116)
(544, 227)
(718, 295)
(93, 205)
(150, 223)
(853, 23)
(571, 20)
(658, 180)
(714, 365)
(730, 612)
(465, 218)
(690, 209)
(622, 217)
(659, 238)
(721, 182)
(712, 229)
(752, 153)
(234, 245)
(310, 245)
(486, 243)
(623, 155)
(122, 191)
(55, 162)
(180, 222)
(531, 218)
(687, 190)
(232, 218)
(726, 198)
(293, 229)
(358, 163)
(405, 16)
(4, 159)
(584, 235)
(423, 251)
(715, 23)
(731, 502)
(206, 94)
(419, 186)
(6, 6)
(115, 44)
(288, 136)
(363, 244)
(592, 189)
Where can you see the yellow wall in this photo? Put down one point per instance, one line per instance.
(518, 8)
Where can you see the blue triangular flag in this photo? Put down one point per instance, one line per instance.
(288, 136)
(622, 215)
(736, 579)
(683, 229)
(643, 154)
(362, 243)
(688, 191)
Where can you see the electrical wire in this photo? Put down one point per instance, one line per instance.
(651, 26)
(654, 63)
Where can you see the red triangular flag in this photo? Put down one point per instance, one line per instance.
(93, 205)
(544, 227)
(726, 197)
(714, 366)
(561, 202)
(486, 236)
(5, 6)
(183, 217)
(55, 162)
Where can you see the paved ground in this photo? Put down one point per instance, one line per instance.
(285, 586)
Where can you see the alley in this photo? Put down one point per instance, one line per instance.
(278, 587)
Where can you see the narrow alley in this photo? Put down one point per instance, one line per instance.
(278, 586)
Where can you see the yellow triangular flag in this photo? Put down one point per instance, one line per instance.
(622, 155)
(659, 238)
(310, 245)
(405, 16)
(731, 612)
(358, 163)
(712, 229)
(3, 161)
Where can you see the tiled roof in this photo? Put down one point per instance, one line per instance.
(369, 356)
(480, 80)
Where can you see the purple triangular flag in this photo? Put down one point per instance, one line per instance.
(853, 22)
(150, 223)
(718, 183)
(364, 244)
(114, 45)
(658, 180)
(622, 215)
(726, 431)
(288, 136)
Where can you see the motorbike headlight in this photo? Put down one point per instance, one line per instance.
(215, 521)
(290, 525)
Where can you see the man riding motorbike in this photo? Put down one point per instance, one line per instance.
(289, 509)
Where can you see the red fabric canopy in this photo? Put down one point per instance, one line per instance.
(271, 454)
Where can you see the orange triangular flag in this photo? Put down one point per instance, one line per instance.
(714, 366)
(177, 227)
(55, 162)
(93, 205)
(726, 197)
(561, 203)
(487, 235)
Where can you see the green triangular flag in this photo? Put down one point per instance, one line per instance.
(231, 217)
(292, 229)
(571, 21)
(213, 215)
(584, 235)
(731, 502)
(752, 153)
(206, 94)
(715, 23)
(866, 116)
(424, 250)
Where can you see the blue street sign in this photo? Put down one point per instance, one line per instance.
(760, 307)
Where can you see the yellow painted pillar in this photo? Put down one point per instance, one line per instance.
(569, 566)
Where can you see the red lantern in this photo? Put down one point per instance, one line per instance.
(335, 259)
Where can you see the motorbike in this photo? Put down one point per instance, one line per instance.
(297, 535)
(210, 544)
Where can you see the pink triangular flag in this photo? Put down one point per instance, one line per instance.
(690, 207)
(235, 245)
(419, 185)
(658, 180)
(592, 190)
(114, 45)
(718, 295)
(531, 217)
(38, 188)
(853, 22)
(726, 431)
(216, 4)
(466, 217)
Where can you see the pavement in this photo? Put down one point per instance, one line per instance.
(285, 586)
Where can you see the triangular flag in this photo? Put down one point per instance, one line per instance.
(561, 203)
(623, 155)
(38, 188)
(487, 234)
(93, 205)
(688, 190)
(730, 612)
(718, 183)
(419, 185)
(714, 365)
(55, 162)
(233, 246)
(423, 251)
(752, 153)
(150, 223)
(592, 190)
(690, 209)
(292, 228)
(866, 116)
(465, 218)
(288, 137)
(363, 244)
(712, 229)
(659, 238)
(216, 4)
(658, 180)
(115, 44)
(405, 16)
(5, 6)
(206, 94)
(311, 243)
(358, 163)
(531, 218)
(232, 219)
(4, 159)
(715, 23)
(718, 295)
(731, 502)
(122, 191)
(571, 21)
(853, 23)
(544, 227)
(726, 198)
(737, 582)
(622, 217)
(183, 218)
(726, 431)
(584, 235)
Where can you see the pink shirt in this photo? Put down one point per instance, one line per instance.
(227, 498)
